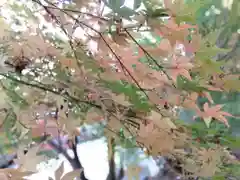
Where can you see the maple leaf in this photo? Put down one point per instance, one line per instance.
(210, 159)
(161, 122)
(14, 174)
(223, 82)
(163, 49)
(180, 66)
(231, 82)
(69, 125)
(145, 130)
(164, 94)
(129, 59)
(174, 32)
(154, 98)
(126, 57)
(150, 136)
(152, 79)
(30, 160)
(190, 101)
(194, 45)
(214, 112)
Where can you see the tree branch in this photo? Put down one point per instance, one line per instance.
(75, 163)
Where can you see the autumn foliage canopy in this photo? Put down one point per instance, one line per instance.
(130, 70)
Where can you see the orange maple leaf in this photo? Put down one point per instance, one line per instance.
(146, 130)
(174, 32)
(190, 101)
(180, 66)
(214, 112)
(163, 49)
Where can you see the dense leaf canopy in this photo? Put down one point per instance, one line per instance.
(159, 75)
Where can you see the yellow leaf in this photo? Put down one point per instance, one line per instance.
(162, 123)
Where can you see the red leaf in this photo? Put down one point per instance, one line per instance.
(214, 112)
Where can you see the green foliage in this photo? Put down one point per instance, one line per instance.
(228, 170)
(157, 13)
(14, 96)
(134, 94)
(231, 103)
(209, 52)
(184, 84)
(9, 123)
(189, 12)
(215, 134)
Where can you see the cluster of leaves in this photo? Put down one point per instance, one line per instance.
(132, 87)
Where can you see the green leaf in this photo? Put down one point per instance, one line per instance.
(185, 18)
(9, 122)
(115, 5)
(132, 92)
(209, 52)
(184, 84)
(189, 11)
(125, 12)
(208, 121)
(208, 66)
(161, 12)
